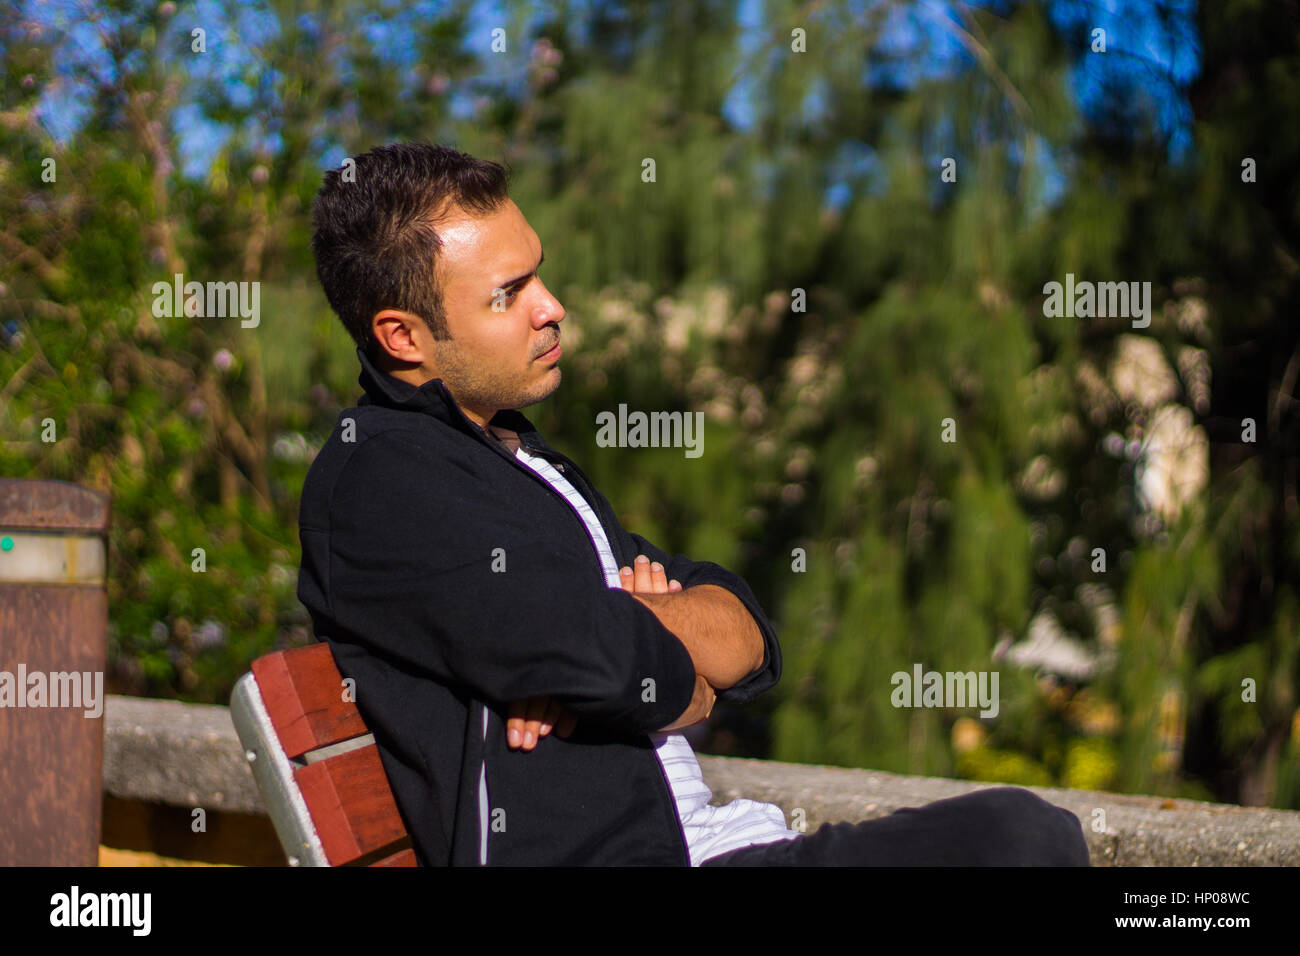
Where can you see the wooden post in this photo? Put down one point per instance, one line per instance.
(53, 650)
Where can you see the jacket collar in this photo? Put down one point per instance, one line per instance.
(434, 398)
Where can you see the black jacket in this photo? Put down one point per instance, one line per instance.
(400, 528)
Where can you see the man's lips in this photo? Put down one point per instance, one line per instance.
(553, 352)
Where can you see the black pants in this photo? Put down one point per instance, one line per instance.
(1001, 826)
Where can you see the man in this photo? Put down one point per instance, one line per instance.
(524, 662)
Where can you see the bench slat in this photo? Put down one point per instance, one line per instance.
(303, 693)
(351, 804)
(403, 858)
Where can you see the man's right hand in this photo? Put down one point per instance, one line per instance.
(528, 721)
(647, 577)
(699, 709)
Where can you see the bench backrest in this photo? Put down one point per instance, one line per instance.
(316, 763)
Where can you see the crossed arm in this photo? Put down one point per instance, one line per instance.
(717, 630)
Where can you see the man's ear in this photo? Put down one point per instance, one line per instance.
(396, 336)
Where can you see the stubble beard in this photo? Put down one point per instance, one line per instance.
(474, 386)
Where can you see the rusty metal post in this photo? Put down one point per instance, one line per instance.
(53, 649)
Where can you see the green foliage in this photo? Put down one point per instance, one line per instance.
(1090, 765)
(1001, 766)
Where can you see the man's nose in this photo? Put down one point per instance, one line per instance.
(552, 309)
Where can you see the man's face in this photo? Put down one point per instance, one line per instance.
(498, 357)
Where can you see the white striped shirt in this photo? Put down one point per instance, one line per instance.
(709, 831)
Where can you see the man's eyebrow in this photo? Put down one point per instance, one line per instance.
(520, 280)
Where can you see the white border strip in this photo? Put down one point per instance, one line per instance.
(34, 558)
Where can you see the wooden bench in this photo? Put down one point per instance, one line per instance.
(316, 763)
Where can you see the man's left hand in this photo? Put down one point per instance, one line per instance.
(528, 721)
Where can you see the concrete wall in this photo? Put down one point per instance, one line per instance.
(163, 758)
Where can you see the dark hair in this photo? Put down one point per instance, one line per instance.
(373, 232)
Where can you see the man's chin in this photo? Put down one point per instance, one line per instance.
(544, 390)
